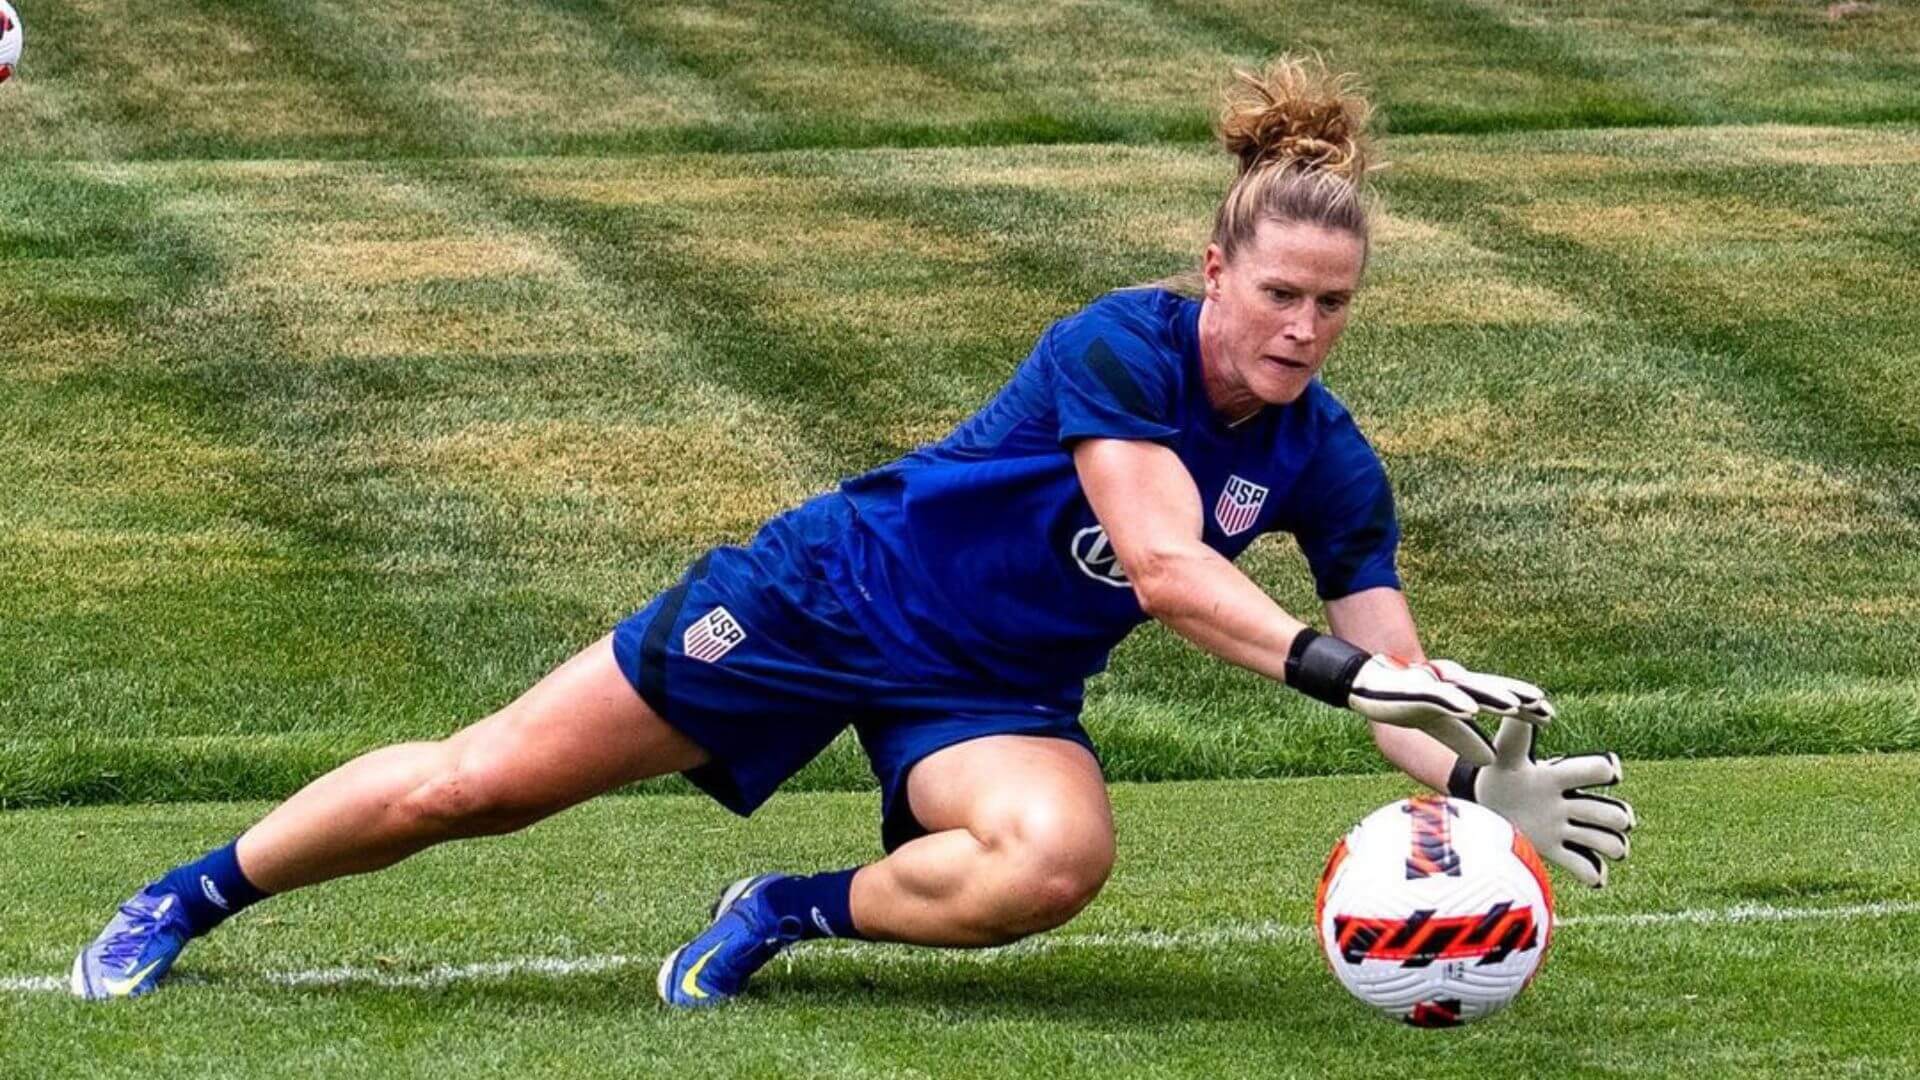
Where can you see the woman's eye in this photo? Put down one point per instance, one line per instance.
(1281, 295)
(1333, 305)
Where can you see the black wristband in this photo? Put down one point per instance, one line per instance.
(1323, 667)
(1460, 780)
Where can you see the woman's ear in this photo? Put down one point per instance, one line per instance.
(1211, 267)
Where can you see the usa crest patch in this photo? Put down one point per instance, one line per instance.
(1239, 505)
(712, 636)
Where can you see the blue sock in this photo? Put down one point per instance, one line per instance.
(211, 888)
(822, 903)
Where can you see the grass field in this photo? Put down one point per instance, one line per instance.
(359, 362)
(1766, 925)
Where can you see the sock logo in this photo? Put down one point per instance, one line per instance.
(212, 892)
(820, 921)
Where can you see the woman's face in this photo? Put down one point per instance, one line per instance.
(1271, 315)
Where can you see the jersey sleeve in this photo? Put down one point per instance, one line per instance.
(1110, 382)
(1346, 526)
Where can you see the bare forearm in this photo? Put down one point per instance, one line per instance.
(1379, 621)
(1206, 600)
(1415, 753)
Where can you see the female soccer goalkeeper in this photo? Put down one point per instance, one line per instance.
(949, 606)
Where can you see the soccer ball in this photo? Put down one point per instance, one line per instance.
(11, 38)
(1434, 911)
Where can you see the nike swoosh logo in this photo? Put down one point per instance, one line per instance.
(123, 987)
(690, 987)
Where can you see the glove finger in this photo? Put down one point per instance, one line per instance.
(1586, 770)
(1540, 712)
(1584, 865)
(1527, 694)
(1490, 697)
(1513, 743)
(1600, 812)
(1462, 738)
(1490, 692)
(1605, 842)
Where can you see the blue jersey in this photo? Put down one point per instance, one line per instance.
(979, 555)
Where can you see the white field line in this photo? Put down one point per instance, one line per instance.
(1160, 940)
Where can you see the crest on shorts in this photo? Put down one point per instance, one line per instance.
(1239, 505)
(712, 636)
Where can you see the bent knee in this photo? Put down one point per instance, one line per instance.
(466, 791)
(1057, 859)
(1056, 893)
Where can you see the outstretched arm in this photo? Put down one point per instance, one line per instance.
(1148, 504)
(1378, 620)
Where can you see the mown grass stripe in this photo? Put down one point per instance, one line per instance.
(1773, 370)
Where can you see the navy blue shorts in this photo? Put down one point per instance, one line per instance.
(754, 656)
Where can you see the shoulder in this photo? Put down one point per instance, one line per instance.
(1137, 324)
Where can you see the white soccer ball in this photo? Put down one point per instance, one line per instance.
(11, 38)
(1434, 911)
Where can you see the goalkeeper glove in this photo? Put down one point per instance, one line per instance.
(1571, 827)
(1440, 698)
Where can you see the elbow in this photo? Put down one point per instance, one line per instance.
(1163, 582)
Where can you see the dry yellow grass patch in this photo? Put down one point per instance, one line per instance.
(1686, 466)
(948, 311)
(210, 77)
(1115, 169)
(826, 237)
(336, 322)
(1426, 274)
(1465, 298)
(1400, 232)
(1675, 221)
(643, 183)
(1833, 146)
(83, 568)
(718, 469)
(533, 105)
(811, 68)
(325, 260)
(1506, 165)
(153, 466)
(50, 355)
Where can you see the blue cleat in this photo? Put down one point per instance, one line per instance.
(133, 953)
(716, 965)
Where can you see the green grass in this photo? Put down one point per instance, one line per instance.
(1196, 960)
(360, 362)
(311, 456)
(123, 79)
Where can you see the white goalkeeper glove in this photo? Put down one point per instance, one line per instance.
(1440, 698)
(1574, 828)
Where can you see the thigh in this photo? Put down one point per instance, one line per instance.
(1036, 788)
(581, 730)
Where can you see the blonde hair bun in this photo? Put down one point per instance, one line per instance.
(1297, 111)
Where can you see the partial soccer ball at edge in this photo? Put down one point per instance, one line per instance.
(1434, 911)
(11, 38)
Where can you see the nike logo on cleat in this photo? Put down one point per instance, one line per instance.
(123, 987)
(688, 984)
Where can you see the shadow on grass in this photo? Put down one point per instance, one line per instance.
(1135, 992)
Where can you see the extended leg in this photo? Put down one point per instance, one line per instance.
(578, 732)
